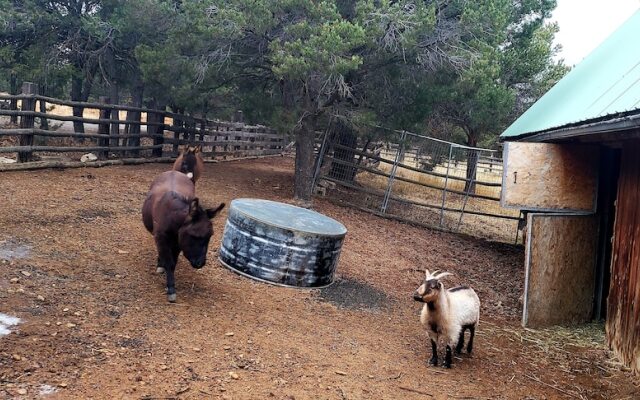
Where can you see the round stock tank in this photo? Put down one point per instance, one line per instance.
(281, 244)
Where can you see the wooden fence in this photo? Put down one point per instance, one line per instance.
(145, 135)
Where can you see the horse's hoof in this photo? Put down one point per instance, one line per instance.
(171, 298)
(160, 270)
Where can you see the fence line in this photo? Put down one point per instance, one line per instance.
(162, 135)
(413, 177)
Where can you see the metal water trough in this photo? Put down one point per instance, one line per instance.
(281, 244)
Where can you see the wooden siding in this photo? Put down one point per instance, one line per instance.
(560, 269)
(550, 177)
(623, 311)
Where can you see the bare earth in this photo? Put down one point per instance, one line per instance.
(79, 270)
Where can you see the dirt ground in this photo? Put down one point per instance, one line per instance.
(78, 269)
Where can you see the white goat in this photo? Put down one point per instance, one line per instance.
(447, 314)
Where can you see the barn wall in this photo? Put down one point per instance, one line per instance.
(623, 311)
(550, 177)
(560, 269)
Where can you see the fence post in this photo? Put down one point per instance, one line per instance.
(446, 181)
(203, 128)
(44, 123)
(103, 128)
(26, 121)
(158, 130)
(177, 124)
(392, 175)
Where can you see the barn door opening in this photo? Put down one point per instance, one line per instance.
(607, 193)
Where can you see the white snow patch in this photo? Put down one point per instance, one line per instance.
(46, 390)
(7, 321)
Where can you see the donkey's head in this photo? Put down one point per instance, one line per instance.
(195, 233)
(190, 162)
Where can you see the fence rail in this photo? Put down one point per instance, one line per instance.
(415, 178)
(144, 133)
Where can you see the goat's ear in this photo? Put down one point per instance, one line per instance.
(211, 212)
(427, 273)
(193, 207)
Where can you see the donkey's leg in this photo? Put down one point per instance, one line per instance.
(167, 257)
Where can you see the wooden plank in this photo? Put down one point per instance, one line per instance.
(623, 307)
(57, 117)
(79, 149)
(559, 269)
(50, 133)
(550, 177)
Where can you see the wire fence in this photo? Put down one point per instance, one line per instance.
(417, 179)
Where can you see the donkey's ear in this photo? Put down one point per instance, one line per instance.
(197, 149)
(193, 207)
(211, 212)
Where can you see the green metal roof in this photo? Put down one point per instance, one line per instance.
(603, 87)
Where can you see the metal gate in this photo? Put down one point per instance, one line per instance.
(417, 179)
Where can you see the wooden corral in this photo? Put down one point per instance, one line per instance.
(623, 321)
(111, 137)
(560, 269)
(550, 177)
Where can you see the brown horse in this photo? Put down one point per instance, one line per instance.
(190, 162)
(173, 215)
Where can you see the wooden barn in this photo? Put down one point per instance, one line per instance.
(572, 161)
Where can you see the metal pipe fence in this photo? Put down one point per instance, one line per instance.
(417, 179)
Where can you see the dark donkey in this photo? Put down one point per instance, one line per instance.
(172, 213)
(190, 162)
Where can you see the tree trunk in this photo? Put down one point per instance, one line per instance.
(472, 163)
(76, 95)
(346, 138)
(305, 141)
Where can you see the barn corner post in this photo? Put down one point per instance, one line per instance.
(29, 90)
(103, 128)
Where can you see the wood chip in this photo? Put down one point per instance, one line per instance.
(341, 373)
(25, 273)
(234, 375)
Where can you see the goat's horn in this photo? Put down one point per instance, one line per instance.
(434, 273)
(442, 275)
